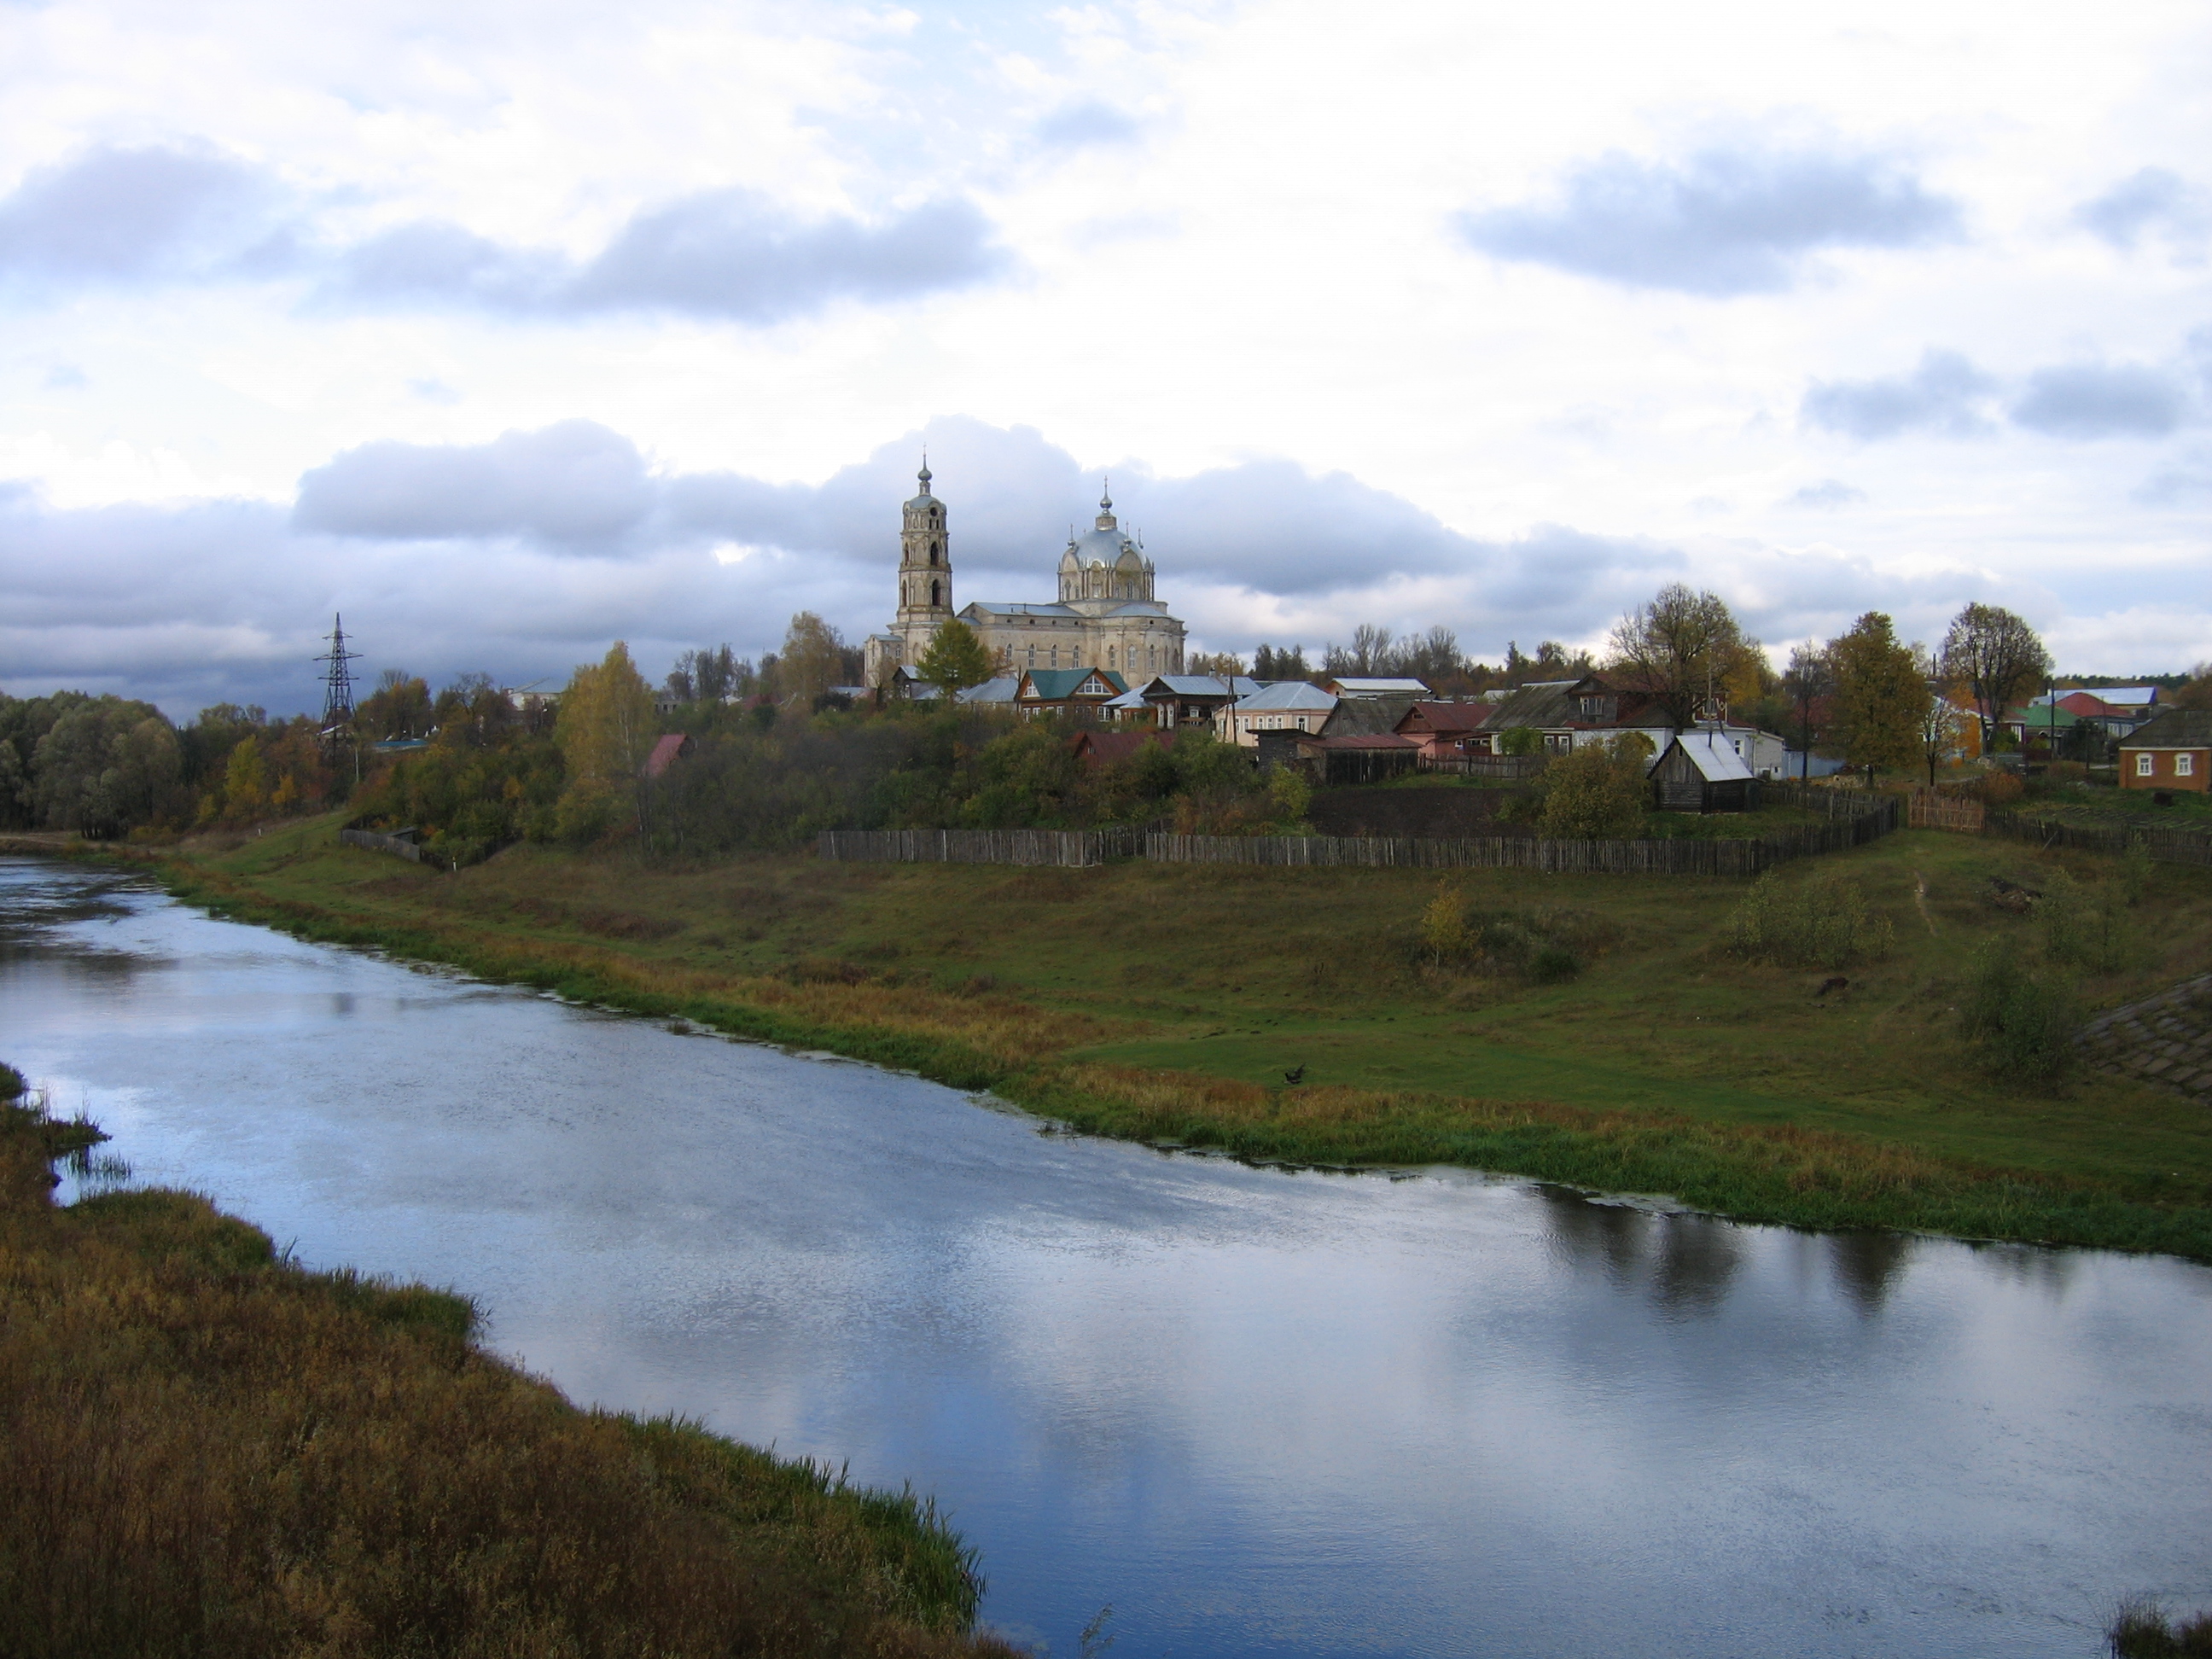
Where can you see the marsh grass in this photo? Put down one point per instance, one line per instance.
(212, 1451)
(2142, 1629)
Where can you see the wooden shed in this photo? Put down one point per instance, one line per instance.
(1701, 772)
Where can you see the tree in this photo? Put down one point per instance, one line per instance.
(812, 659)
(605, 732)
(1595, 791)
(1881, 697)
(1807, 681)
(105, 765)
(1220, 664)
(1682, 648)
(956, 659)
(1287, 664)
(1999, 657)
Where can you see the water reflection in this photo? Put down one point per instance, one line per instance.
(1261, 1412)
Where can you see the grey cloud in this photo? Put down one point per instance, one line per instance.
(2151, 199)
(1827, 495)
(1728, 222)
(1078, 125)
(722, 254)
(1944, 394)
(574, 487)
(2099, 400)
(2182, 482)
(125, 215)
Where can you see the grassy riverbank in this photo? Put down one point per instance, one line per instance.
(1167, 1002)
(212, 1451)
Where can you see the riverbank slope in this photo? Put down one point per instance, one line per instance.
(211, 1450)
(1607, 1041)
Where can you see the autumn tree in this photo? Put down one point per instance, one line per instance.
(105, 764)
(605, 732)
(1682, 648)
(1807, 683)
(1881, 697)
(1998, 657)
(955, 660)
(812, 659)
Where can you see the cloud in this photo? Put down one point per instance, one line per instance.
(574, 487)
(1943, 395)
(2186, 480)
(1827, 495)
(1075, 126)
(2151, 199)
(1728, 222)
(113, 214)
(65, 377)
(2101, 400)
(724, 254)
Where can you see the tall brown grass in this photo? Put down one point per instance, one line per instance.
(207, 1450)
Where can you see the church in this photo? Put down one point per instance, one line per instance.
(1106, 616)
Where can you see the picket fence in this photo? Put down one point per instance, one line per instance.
(1680, 857)
(1510, 767)
(1073, 848)
(1684, 857)
(1927, 810)
(2165, 845)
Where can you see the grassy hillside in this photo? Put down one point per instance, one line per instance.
(209, 1451)
(1168, 1002)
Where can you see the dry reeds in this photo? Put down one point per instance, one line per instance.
(206, 1450)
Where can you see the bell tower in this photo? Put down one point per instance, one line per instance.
(925, 569)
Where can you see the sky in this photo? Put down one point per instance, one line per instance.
(510, 330)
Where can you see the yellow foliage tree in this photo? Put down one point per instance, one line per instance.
(605, 731)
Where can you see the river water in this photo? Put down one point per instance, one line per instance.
(1259, 1412)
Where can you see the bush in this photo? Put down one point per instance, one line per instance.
(1504, 943)
(1819, 923)
(1594, 793)
(2141, 1630)
(2134, 871)
(2087, 928)
(2022, 1024)
(1997, 788)
(1521, 740)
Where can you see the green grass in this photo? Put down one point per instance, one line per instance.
(1088, 992)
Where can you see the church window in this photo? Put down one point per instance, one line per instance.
(936, 595)
(1109, 656)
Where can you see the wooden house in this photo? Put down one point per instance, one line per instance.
(1066, 690)
(1446, 731)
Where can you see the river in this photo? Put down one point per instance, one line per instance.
(1259, 1412)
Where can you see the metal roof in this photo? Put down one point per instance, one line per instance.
(1353, 686)
(994, 608)
(1713, 756)
(1001, 689)
(1288, 694)
(1202, 686)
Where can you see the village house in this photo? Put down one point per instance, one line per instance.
(2173, 752)
(1066, 690)
(1192, 699)
(1283, 705)
(1568, 712)
(1444, 731)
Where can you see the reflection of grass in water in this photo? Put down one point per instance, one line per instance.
(97, 1172)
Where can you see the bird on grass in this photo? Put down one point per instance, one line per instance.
(1299, 1076)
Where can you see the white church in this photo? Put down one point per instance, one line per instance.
(1106, 616)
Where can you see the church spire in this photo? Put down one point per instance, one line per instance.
(924, 474)
(1106, 507)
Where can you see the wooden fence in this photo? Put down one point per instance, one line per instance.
(376, 843)
(1685, 856)
(1512, 767)
(2165, 845)
(1072, 847)
(1927, 810)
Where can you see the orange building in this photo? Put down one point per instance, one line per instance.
(2173, 752)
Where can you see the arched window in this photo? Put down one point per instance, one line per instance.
(936, 595)
(1109, 656)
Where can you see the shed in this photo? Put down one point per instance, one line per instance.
(1700, 772)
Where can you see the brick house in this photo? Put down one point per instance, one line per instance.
(2173, 752)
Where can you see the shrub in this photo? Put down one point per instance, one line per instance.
(1820, 923)
(1554, 964)
(2023, 1024)
(1502, 942)
(1594, 793)
(1521, 740)
(2134, 871)
(1997, 788)
(2141, 1630)
(2087, 928)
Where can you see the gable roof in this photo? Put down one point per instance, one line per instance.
(1443, 717)
(1713, 754)
(2176, 728)
(1368, 716)
(2120, 697)
(1539, 704)
(1356, 686)
(1005, 688)
(1162, 686)
(1288, 693)
(665, 753)
(1059, 684)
